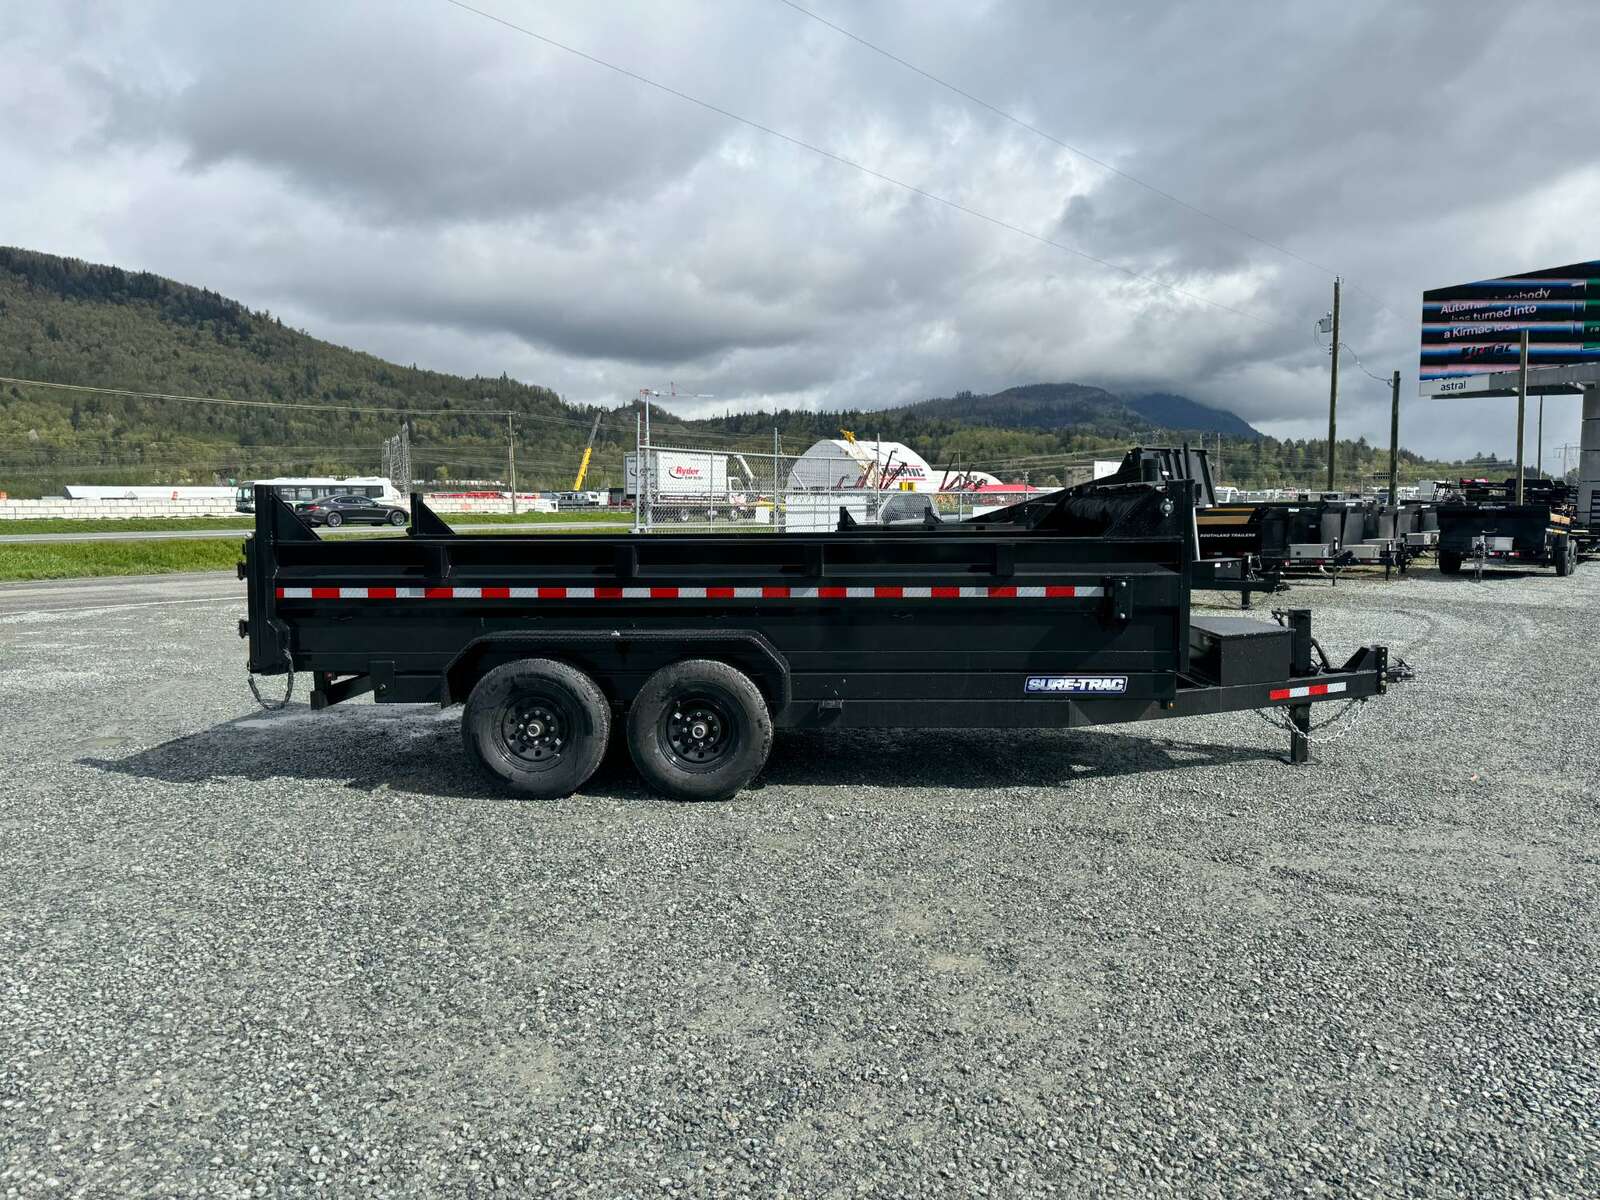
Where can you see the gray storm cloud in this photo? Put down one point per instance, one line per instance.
(431, 186)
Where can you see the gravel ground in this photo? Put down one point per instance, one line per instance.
(296, 954)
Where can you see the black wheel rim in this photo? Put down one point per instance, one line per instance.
(698, 729)
(536, 729)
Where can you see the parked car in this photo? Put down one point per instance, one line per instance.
(334, 511)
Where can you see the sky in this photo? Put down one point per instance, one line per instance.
(430, 185)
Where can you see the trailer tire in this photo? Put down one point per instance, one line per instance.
(562, 709)
(1449, 563)
(699, 730)
(1563, 557)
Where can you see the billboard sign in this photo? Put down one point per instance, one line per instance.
(1471, 330)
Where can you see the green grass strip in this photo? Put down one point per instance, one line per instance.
(81, 560)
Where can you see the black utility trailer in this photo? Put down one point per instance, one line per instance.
(699, 646)
(1483, 524)
(1285, 535)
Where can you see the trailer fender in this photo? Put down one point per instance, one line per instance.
(597, 651)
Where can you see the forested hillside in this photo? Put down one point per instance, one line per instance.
(66, 321)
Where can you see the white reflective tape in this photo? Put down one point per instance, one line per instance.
(580, 593)
(466, 593)
(1030, 593)
(917, 593)
(524, 593)
(861, 593)
(636, 593)
(297, 593)
(686, 593)
(803, 593)
(747, 593)
(974, 593)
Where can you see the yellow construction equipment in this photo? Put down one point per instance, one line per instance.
(588, 451)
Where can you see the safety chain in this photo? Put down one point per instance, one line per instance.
(1287, 724)
(274, 705)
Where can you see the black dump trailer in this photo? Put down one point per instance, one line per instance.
(1224, 565)
(1286, 535)
(695, 648)
(1483, 524)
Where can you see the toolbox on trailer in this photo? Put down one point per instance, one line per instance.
(1234, 650)
(1072, 611)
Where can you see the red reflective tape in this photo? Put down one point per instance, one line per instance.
(438, 593)
(1318, 689)
(832, 593)
(380, 593)
(660, 593)
(1054, 589)
(945, 593)
(494, 593)
(1279, 694)
(608, 593)
(775, 593)
(552, 593)
(1003, 593)
(719, 593)
(324, 593)
(888, 593)
(280, 593)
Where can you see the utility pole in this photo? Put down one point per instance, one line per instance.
(1333, 391)
(1522, 401)
(1394, 440)
(511, 461)
(1539, 467)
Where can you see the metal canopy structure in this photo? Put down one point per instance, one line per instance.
(1563, 380)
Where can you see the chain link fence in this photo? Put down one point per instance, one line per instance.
(696, 489)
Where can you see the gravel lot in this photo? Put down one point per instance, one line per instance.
(300, 954)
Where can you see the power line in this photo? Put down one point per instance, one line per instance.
(854, 165)
(1077, 150)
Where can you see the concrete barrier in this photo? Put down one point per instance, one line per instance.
(56, 506)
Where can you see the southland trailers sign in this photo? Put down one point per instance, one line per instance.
(1472, 333)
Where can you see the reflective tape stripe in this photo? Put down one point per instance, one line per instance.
(709, 592)
(1306, 691)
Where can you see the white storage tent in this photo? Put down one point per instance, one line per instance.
(838, 464)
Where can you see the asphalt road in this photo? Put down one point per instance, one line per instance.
(302, 953)
(377, 531)
(118, 592)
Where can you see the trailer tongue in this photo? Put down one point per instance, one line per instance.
(1075, 614)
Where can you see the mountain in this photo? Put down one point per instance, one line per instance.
(1180, 412)
(68, 321)
(1077, 405)
(292, 404)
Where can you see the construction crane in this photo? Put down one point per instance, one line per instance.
(588, 451)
